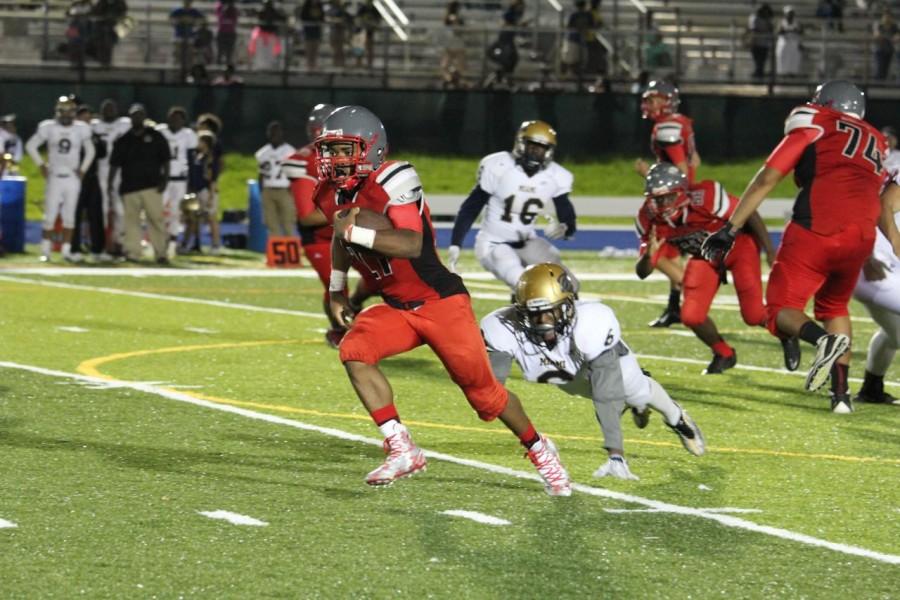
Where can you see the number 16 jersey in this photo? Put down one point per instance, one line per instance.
(517, 199)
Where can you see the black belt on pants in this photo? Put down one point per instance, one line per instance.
(393, 302)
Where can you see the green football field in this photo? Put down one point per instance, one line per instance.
(138, 405)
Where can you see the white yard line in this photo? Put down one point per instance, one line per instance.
(727, 520)
(477, 517)
(233, 518)
(723, 510)
(4, 524)
(311, 315)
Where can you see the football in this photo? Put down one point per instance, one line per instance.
(372, 220)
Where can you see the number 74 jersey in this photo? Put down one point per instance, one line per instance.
(517, 199)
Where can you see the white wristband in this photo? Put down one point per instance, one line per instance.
(361, 236)
(338, 281)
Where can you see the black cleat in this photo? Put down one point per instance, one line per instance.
(691, 437)
(720, 364)
(870, 398)
(791, 348)
(828, 349)
(669, 317)
(841, 404)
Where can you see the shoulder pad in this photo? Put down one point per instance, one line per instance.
(400, 182)
(46, 123)
(596, 328)
(562, 177)
(294, 168)
(499, 331)
(801, 118)
(668, 132)
(162, 128)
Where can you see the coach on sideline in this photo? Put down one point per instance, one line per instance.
(143, 155)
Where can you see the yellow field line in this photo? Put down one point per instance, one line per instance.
(90, 367)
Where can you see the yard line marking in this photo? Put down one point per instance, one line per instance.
(201, 330)
(300, 313)
(233, 518)
(73, 329)
(4, 524)
(722, 510)
(477, 517)
(727, 520)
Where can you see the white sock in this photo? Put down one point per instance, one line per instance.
(45, 247)
(391, 427)
(66, 249)
(662, 403)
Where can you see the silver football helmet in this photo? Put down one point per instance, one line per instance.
(353, 144)
(839, 94)
(316, 120)
(660, 88)
(666, 185)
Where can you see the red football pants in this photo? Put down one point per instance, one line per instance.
(701, 282)
(822, 266)
(449, 328)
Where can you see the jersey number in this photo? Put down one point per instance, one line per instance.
(871, 153)
(381, 267)
(64, 146)
(530, 210)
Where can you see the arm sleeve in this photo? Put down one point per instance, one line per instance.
(303, 190)
(565, 212)
(468, 212)
(89, 152)
(32, 145)
(675, 153)
(501, 364)
(405, 216)
(787, 154)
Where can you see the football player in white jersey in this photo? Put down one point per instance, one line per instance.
(577, 345)
(109, 127)
(182, 144)
(69, 153)
(517, 187)
(878, 289)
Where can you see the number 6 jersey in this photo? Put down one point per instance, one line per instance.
(513, 199)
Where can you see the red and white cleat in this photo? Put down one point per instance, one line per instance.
(404, 458)
(545, 457)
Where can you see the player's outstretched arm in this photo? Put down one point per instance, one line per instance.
(646, 263)
(338, 303)
(758, 228)
(890, 203)
(468, 212)
(759, 187)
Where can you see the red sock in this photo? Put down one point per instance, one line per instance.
(530, 437)
(723, 349)
(385, 414)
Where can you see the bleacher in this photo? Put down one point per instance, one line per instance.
(705, 38)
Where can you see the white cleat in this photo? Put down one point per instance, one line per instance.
(841, 404)
(545, 457)
(690, 435)
(617, 467)
(828, 349)
(404, 458)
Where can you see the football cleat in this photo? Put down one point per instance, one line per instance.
(720, 364)
(872, 398)
(841, 404)
(691, 437)
(791, 348)
(641, 417)
(828, 349)
(616, 467)
(545, 458)
(333, 337)
(404, 458)
(669, 317)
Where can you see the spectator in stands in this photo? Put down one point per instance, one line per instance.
(227, 17)
(142, 154)
(203, 44)
(185, 21)
(341, 23)
(265, 47)
(453, 60)
(107, 15)
(503, 52)
(886, 37)
(657, 55)
(279, 213)
(832, 12)
(580, 31)
(311, 16)
(368, 19)
(760, 33)
(229, 77)
(90, 199)
(12, 143)
(788, 54)
(78, 31)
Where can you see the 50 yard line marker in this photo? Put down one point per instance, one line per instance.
(727, 520)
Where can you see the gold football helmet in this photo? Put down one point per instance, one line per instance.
(534, 146)
(65, 109)
(545, 298)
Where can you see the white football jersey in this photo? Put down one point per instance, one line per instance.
(892, 163)
(64, 144)
(180, 143)
(109, 132)
(270, 160)
(595, 331)
(517, 199)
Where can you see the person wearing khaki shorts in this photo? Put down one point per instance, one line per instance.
(143, 156)
(279, 212)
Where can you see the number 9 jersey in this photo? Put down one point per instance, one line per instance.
(517, 199)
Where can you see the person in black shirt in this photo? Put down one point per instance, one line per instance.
(90, 199)
(143, 156)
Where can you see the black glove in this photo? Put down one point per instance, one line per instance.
(717, 245)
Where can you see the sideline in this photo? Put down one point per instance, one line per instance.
(723, 519)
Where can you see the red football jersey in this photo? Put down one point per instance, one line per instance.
(402, 282)
(302, 169)
(708, 208)
(840, 171)
(672, 140)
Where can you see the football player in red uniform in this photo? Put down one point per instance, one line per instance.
(315, 228)
(837, 158)
(672, 141)
(424, 303)
(684, 216)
